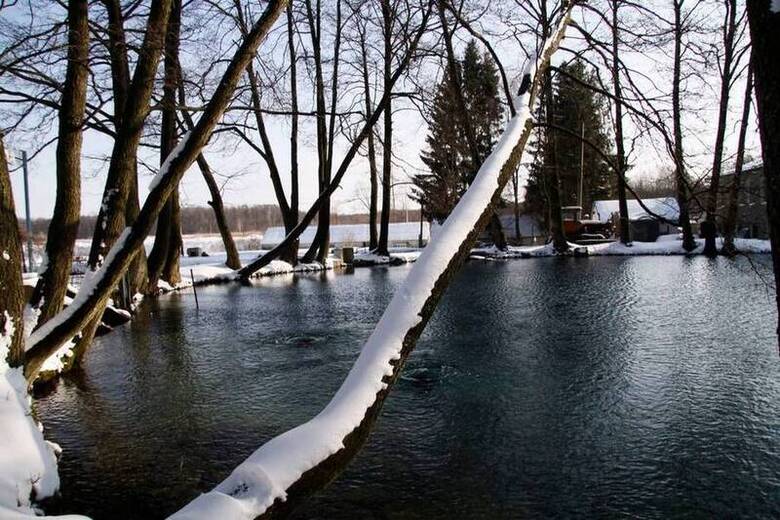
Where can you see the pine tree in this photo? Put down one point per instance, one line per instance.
(575, 108)
(447, 155)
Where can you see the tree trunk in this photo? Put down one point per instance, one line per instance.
(291, 255)
(89, 304)
(231, 251)
(681, 180)
(167, 239)
(620, 156)
(233, 261)
(765, 36)
(372, 170)
(120, 79)
(555, 215)
(171, 272)
(730, 222)
(387, 140)
(320, 245)
(711, 227)
(63, 228)
(11, 288)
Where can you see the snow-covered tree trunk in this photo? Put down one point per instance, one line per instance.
(288, 468)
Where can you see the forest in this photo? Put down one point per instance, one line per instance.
(467, 110)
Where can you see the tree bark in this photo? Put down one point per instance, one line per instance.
(233, 260)
(11, 288)
(63, 228)
(89, 304)
(730, 222)
(120, 81)
(681, 181)
(560, 243)
(163, 259)
(291, 255)
(711, 227)
(620, 156)
(372, 169)
(765, 38)
(387, 140)
(321, 238)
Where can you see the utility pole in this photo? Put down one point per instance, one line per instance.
(27, 212)
(582, 166)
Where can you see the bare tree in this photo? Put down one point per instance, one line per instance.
(163, 262)
(732, 208)
(53, 282)
(732, 27)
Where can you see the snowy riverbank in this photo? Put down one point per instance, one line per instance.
(665, 245)
(28, 463)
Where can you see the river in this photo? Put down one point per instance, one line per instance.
(644, 386)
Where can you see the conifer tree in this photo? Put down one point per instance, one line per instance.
(447, 155)
(576, 109)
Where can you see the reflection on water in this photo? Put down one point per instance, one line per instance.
(546, 387)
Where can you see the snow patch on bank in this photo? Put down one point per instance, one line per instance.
(665, 245)
(28, 463)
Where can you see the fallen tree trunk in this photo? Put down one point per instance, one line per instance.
(288, 468)
(95, 291)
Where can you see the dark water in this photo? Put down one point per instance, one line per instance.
(552, 387)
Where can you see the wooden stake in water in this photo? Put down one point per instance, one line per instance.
(194, 290)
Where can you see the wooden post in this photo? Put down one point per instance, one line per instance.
(194, 290)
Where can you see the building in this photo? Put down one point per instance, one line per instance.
(645, 227)
(752, 219)
(531, 231)
(402, 234)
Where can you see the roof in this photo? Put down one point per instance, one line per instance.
(350, 233)
(665, 207)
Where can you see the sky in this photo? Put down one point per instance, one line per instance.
(245, 177)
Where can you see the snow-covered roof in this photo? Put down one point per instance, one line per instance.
(350, 233)
(666, 207)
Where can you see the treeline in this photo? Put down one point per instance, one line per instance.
(240, 219)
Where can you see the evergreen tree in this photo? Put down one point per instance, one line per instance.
(447, 155)
(576, 108)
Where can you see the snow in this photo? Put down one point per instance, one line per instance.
(666, 207)
(351, 234)
(208, 242)
(665, 245)
(166, 165)
(6, 256)
(397, 255)
(266, 475)
(28, 463)
(775, 7)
